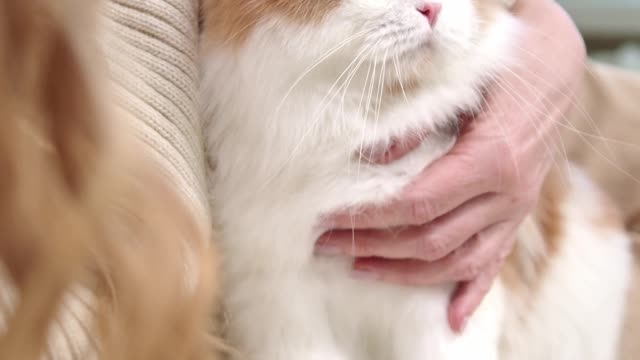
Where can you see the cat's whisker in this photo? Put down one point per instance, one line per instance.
(318, 63)
(324, 103)
(397, 68)
(366, 115)
(607, 141)
(571, 97)
(586, 140)
(326, 100)
(531, 88)
(505, 136)
(352, 75)
(346, 88)
(520, 101)
(530, 106)
(379, 99)
(358, 60)
(542, 98)
(599, 138)
(370, 76)
(359, 110)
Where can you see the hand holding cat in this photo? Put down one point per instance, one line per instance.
(458, 221)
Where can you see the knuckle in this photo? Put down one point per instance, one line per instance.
(469, 270)
(421, 212)
(363, 248)
(432, 248)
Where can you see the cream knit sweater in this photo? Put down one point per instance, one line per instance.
(151, 49)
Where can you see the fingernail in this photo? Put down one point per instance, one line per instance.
(365, 275)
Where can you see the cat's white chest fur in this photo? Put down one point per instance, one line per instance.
(284, 302)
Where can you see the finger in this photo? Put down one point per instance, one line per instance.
(429, 242)
(442, 187)
(468, 298)
(465, 264)
(470, 295)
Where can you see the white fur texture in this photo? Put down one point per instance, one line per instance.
(283, 141)
(578, 311)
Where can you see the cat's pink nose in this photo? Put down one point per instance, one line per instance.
(431, 11)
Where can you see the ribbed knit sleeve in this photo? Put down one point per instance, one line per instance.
(151, 48)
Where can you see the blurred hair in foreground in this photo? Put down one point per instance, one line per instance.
(85, 223)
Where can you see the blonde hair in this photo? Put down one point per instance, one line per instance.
(77, 210)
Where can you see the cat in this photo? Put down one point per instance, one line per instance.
(293, 91)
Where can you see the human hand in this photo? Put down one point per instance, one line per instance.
(457, 221)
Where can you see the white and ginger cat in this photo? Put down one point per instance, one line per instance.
(294, 90)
